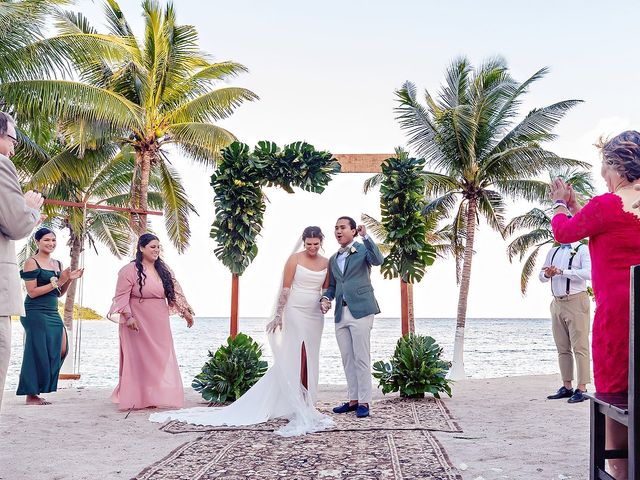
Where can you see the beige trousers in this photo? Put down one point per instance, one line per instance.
(570, 321)
(354, 340)
(5, 351)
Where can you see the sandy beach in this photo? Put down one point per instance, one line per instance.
(509, 431)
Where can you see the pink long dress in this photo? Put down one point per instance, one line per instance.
(149, 374)
(614, 245)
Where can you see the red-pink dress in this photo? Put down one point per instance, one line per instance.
(614, 245)
(149, 374)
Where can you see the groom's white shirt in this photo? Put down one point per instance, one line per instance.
(341, 258)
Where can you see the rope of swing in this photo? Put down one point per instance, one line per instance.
(80, 295)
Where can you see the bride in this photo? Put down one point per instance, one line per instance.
(289, 388)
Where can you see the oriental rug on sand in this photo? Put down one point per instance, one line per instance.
(353, 455)
(394, 443)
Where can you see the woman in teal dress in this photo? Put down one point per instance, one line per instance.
(45, 345)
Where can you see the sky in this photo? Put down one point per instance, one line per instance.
(326, 73)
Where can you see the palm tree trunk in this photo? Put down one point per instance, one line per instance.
(76, 249)
(140, 191)
(457, 368)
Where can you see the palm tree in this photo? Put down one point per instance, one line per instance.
(481, 157)
(537, 223)
(147, 95)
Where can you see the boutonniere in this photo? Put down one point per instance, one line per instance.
(352, 250)
(573, 251)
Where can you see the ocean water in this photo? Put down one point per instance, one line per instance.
(493, 347)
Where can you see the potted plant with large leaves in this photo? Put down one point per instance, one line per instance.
(232, 370)
(415, 368)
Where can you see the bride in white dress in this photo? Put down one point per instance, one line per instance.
(289, 388)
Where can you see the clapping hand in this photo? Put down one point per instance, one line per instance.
(33, 199)
(560, 191)
(68, 274)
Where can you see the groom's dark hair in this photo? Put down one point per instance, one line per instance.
(352, 222)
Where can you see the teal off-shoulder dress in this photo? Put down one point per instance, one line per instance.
(44, 329)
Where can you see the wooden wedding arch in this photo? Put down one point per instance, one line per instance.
(350, 163)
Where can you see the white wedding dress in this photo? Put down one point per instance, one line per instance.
(279, 392)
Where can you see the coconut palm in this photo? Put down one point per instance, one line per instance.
(537, 223)
(480, 155)
(151, 95)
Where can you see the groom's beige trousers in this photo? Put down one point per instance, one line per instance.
(354, 340)
(5, 351)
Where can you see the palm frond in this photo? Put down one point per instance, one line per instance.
(68, 100)
(372, 182)
(212, 106)
(207, 138)
(535, 218)
(528, 267)
(522, 244)
(112, 229)
(176, 207)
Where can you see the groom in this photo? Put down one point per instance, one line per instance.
(350, 285)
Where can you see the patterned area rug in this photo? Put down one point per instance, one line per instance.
(389, 414)
(355, 455)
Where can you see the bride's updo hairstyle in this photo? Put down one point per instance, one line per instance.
(622, 153)
(312, 232)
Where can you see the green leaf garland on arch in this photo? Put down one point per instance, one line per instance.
(239, 201)
(401, 204)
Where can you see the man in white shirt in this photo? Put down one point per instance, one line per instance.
(568, 268)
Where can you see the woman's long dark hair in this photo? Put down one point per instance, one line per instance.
(161, 268)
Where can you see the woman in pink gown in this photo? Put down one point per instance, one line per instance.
(613, 227)
(146, 293)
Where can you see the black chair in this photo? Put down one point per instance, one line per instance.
(620, 407)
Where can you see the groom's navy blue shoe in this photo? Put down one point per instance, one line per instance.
(345, 407)
(362, 411)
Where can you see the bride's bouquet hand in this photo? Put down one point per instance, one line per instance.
(273, 324)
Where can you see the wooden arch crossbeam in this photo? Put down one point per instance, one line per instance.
(361, 162)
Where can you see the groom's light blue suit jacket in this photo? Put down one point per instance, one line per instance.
(353, 286)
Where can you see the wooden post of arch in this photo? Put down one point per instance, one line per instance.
(89, 206)
(233, 320)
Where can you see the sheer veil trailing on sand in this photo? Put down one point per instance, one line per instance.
(279, 393)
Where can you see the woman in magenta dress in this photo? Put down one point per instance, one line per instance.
(613, 227)
(146, 293)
